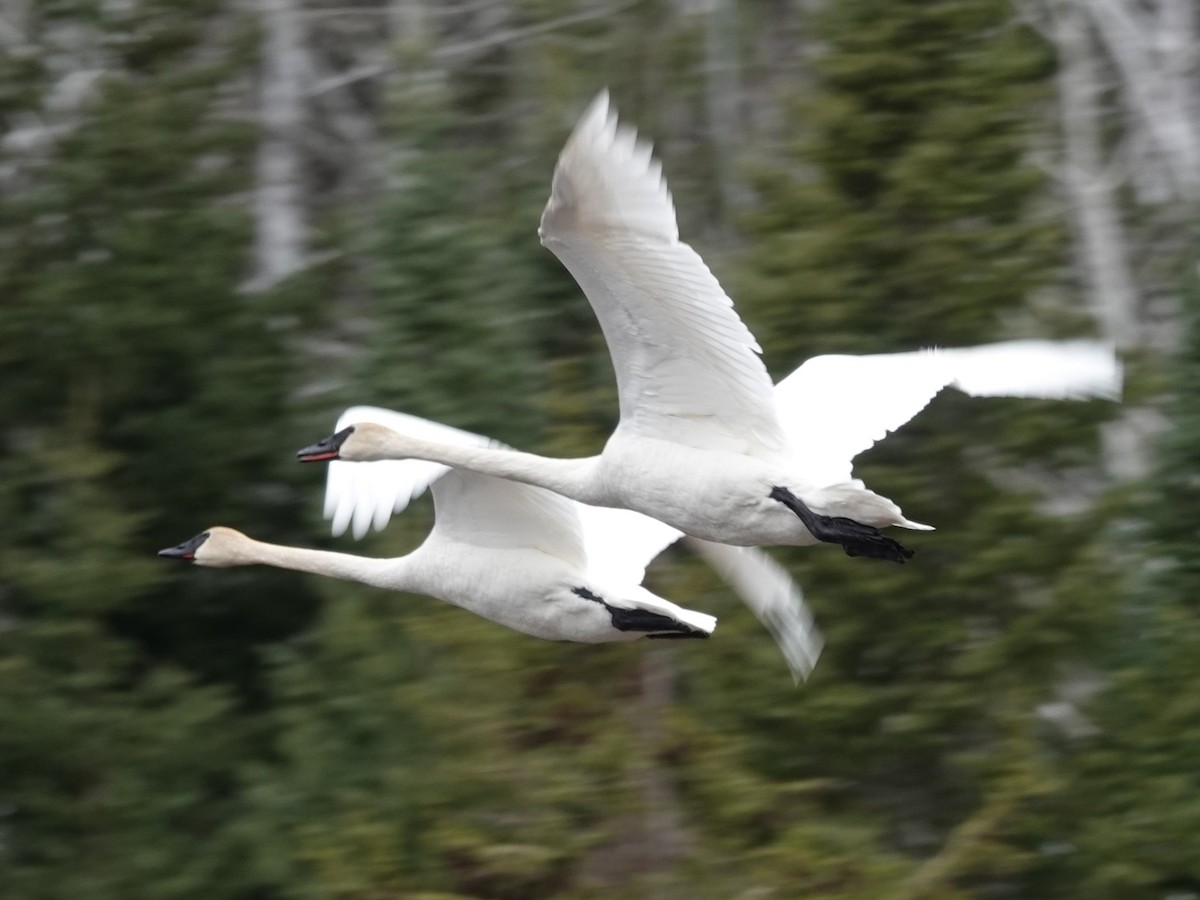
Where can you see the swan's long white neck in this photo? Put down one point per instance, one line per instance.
(396, 574)
(574, 478)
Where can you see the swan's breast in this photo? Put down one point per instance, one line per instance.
(709, 494)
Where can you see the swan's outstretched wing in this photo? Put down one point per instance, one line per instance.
(359, 495)
(687, 368)
(485, 511)
(621, 543)
(772, 595)
(834, 407)
(470, 508)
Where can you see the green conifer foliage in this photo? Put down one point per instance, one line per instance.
(911, 217)
(143, 400)
(117, 782)
(122, 313)
(1128, 825)
(455, 277)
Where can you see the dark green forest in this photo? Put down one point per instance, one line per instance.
(221, 224)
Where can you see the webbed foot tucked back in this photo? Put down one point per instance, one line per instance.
(855, 538)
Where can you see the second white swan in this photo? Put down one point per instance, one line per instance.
(514, 554)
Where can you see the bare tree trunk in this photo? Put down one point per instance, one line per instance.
(280, 209)
(666, 839)
(1155, 57)
(1178, 36)
(722, 98)
(1093, 194)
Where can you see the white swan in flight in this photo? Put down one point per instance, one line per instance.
(616, 542)
(705, 442)
(515, 554)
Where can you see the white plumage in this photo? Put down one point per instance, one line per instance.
(511, 553)
(705, 442)
(617, 544)
(833, 408)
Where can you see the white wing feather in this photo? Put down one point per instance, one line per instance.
(774, 598)
(688, 370)
(362, 495)
(834, 407)
(621, 543)
(485, 511)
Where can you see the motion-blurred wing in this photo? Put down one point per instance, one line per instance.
(834, 407)
(772, 595)
(361, 494)
(687, 368)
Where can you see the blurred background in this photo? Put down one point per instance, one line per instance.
(222, 222)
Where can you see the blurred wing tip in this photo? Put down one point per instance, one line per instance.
(803, 660)
(599, 117)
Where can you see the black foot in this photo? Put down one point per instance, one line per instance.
(856, 538)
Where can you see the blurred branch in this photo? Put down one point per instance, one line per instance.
(1154, 68)
(359, 73)
(512, 35)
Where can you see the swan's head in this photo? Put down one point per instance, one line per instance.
(217, 546)
(362, 442)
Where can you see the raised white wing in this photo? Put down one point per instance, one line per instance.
(470, 508)
(834, 407)
(688, 370)
(772, 595)
(359, 495)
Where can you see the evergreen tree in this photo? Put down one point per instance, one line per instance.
(1128, 824)
(453, 327)
(911, 217)
(143, 399)
(401, 746)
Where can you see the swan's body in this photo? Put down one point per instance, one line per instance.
(619, 542)
(514, 554)
(705, 442)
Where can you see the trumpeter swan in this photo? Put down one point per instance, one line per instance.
(360, 495)
(512, 553)
(705, 443)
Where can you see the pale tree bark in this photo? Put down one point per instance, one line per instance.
(1089, 183)
(76, 59)
(1129, 107)
(1128, 101)
(723, 100)
(281, 214)
(1154, 53)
